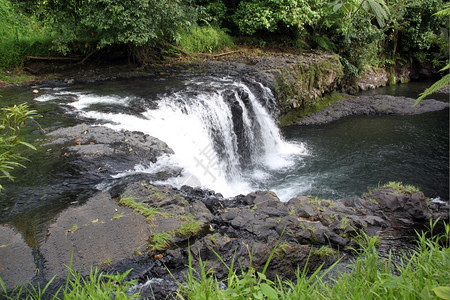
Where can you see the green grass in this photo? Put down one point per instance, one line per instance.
(189, 229)
(160, 241)
(97, 285)
(139, 207)
(17, 76)
(399, 187)
(205, 39)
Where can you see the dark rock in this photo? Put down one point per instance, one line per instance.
(96, 234)
(98, 151)
(16, 259)
(371, 105)
(405, 205)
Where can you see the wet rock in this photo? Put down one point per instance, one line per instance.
(371, 105)
(413, 206)
(97, 234)
(99, 151)
(16, 259)
(168, 200)
(240, 231)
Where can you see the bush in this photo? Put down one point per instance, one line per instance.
(205, 39)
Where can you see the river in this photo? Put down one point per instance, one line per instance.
(224, 139)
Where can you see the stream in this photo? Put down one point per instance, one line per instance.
(224, 139)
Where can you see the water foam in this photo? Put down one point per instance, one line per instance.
(199, 123)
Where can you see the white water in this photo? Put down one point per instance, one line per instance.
(197, 123)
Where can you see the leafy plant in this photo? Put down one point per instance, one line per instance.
(444, 81)
(97, 24)
(13, 121)
(272, 15)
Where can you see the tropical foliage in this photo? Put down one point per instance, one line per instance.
(102, 23)
(365, 33)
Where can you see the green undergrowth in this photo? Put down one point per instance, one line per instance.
(15, 76)
(97, 285)
(297, 114)
(21, 35)
(399, 187)
(140, 208)
(206, 39)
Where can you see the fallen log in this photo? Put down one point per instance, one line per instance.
(54, 58)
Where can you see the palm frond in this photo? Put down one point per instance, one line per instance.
(444, 81)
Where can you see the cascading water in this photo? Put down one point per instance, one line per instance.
(223, 137)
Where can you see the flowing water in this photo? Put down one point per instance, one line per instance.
(225, 139)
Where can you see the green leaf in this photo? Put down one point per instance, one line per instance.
(442, 292)
(268, 291)
(27, 145)
(262, 276)
(434, 88)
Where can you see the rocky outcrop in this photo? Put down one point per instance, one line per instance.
(305, 81)
(371, 105)
(153, 229)
(97, 152)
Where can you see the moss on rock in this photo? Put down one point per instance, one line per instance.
(295, 114)
(301, 87)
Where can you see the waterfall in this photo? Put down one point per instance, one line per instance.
(222, 134)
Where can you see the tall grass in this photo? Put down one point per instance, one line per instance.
(206, 39)
(95, 286)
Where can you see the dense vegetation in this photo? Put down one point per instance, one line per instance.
(366, 33)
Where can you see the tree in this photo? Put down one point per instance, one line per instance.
(95, 24)
(274, 15)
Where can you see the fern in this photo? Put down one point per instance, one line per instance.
(380, 10)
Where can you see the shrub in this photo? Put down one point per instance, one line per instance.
(205, 39)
